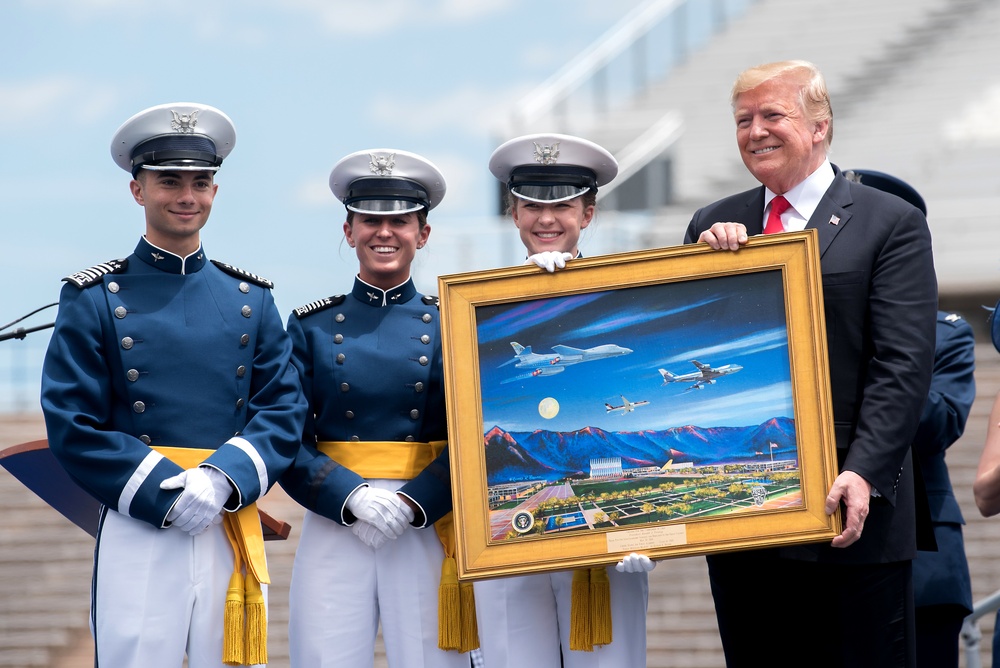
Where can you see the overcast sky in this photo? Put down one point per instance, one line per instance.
(305, 82)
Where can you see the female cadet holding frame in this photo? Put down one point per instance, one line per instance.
(525, 620)
(372, 470)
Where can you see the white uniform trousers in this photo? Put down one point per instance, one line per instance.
(159, 594)
(524, 619)
(341, 588)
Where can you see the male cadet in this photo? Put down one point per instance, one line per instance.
(169, 396)
(849, 602)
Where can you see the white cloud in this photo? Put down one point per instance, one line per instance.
(90, 11)
(385, 16)
(977, 122)
(54, 99)
(82, 6)
(314, 193)
(465, 177)
(470, 110)
(471, 10)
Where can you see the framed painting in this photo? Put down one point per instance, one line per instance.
(672, 401)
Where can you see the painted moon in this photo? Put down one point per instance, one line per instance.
(548, 408)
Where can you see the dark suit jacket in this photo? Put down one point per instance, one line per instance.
(942, 577)
(880, 300)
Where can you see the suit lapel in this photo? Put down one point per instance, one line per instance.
(833, 213)
(753, 212)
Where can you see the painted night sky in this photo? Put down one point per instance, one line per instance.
(737, 319)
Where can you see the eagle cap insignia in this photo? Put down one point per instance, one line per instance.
(183, 122)
(546, 155)
(381, 165)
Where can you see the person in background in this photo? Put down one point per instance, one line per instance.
(986, 488)
(169, 396)
(552, 183)
(373, 469)
(941, 583)
(848, 602)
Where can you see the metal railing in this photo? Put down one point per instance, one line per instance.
(641, 49)
(651, 143)
(971, 635)
(617, 70)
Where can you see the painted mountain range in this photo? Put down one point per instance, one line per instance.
(552, 455)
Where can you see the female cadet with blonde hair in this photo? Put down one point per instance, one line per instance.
(526, 620)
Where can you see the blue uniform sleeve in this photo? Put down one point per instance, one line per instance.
(431, 489)
(255, 458)
(100, 434)
(78, 401)
(953, 389)
(314, 480)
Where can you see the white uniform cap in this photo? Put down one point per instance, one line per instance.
(552, 167)
(386, 180)
(183, 136)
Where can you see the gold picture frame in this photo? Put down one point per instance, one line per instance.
(685, 456)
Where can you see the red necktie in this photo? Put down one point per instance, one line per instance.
(778, 206)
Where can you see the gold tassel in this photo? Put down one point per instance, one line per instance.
(256, 623)
(232, 627)
(470, 627)
(600, 607)
(449, 623)
(579, 612)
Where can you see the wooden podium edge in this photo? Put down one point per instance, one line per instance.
(273, 528)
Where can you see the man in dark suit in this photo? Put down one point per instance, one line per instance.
(849, 602)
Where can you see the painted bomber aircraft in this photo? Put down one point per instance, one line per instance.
(549, 364)
(626, 407)
(705, 375)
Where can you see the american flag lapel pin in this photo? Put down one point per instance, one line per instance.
(835, 220)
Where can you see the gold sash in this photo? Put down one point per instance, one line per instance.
(393, 460)
(403, 460)
(245, 623)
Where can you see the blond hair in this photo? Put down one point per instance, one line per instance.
(814, 98)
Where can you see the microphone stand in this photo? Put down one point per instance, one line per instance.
(21, 332)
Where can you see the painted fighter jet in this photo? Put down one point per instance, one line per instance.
(626, 407)
(549, 364)
(705, 375)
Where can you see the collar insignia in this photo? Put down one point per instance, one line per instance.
(156, 256)
(372, 296)
(184, 123)
(546, 155)
(381, 165)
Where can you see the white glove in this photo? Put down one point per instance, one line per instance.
(635, 563)
(549, 260)
(368, 534)
(199, 506)
(380, 508)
